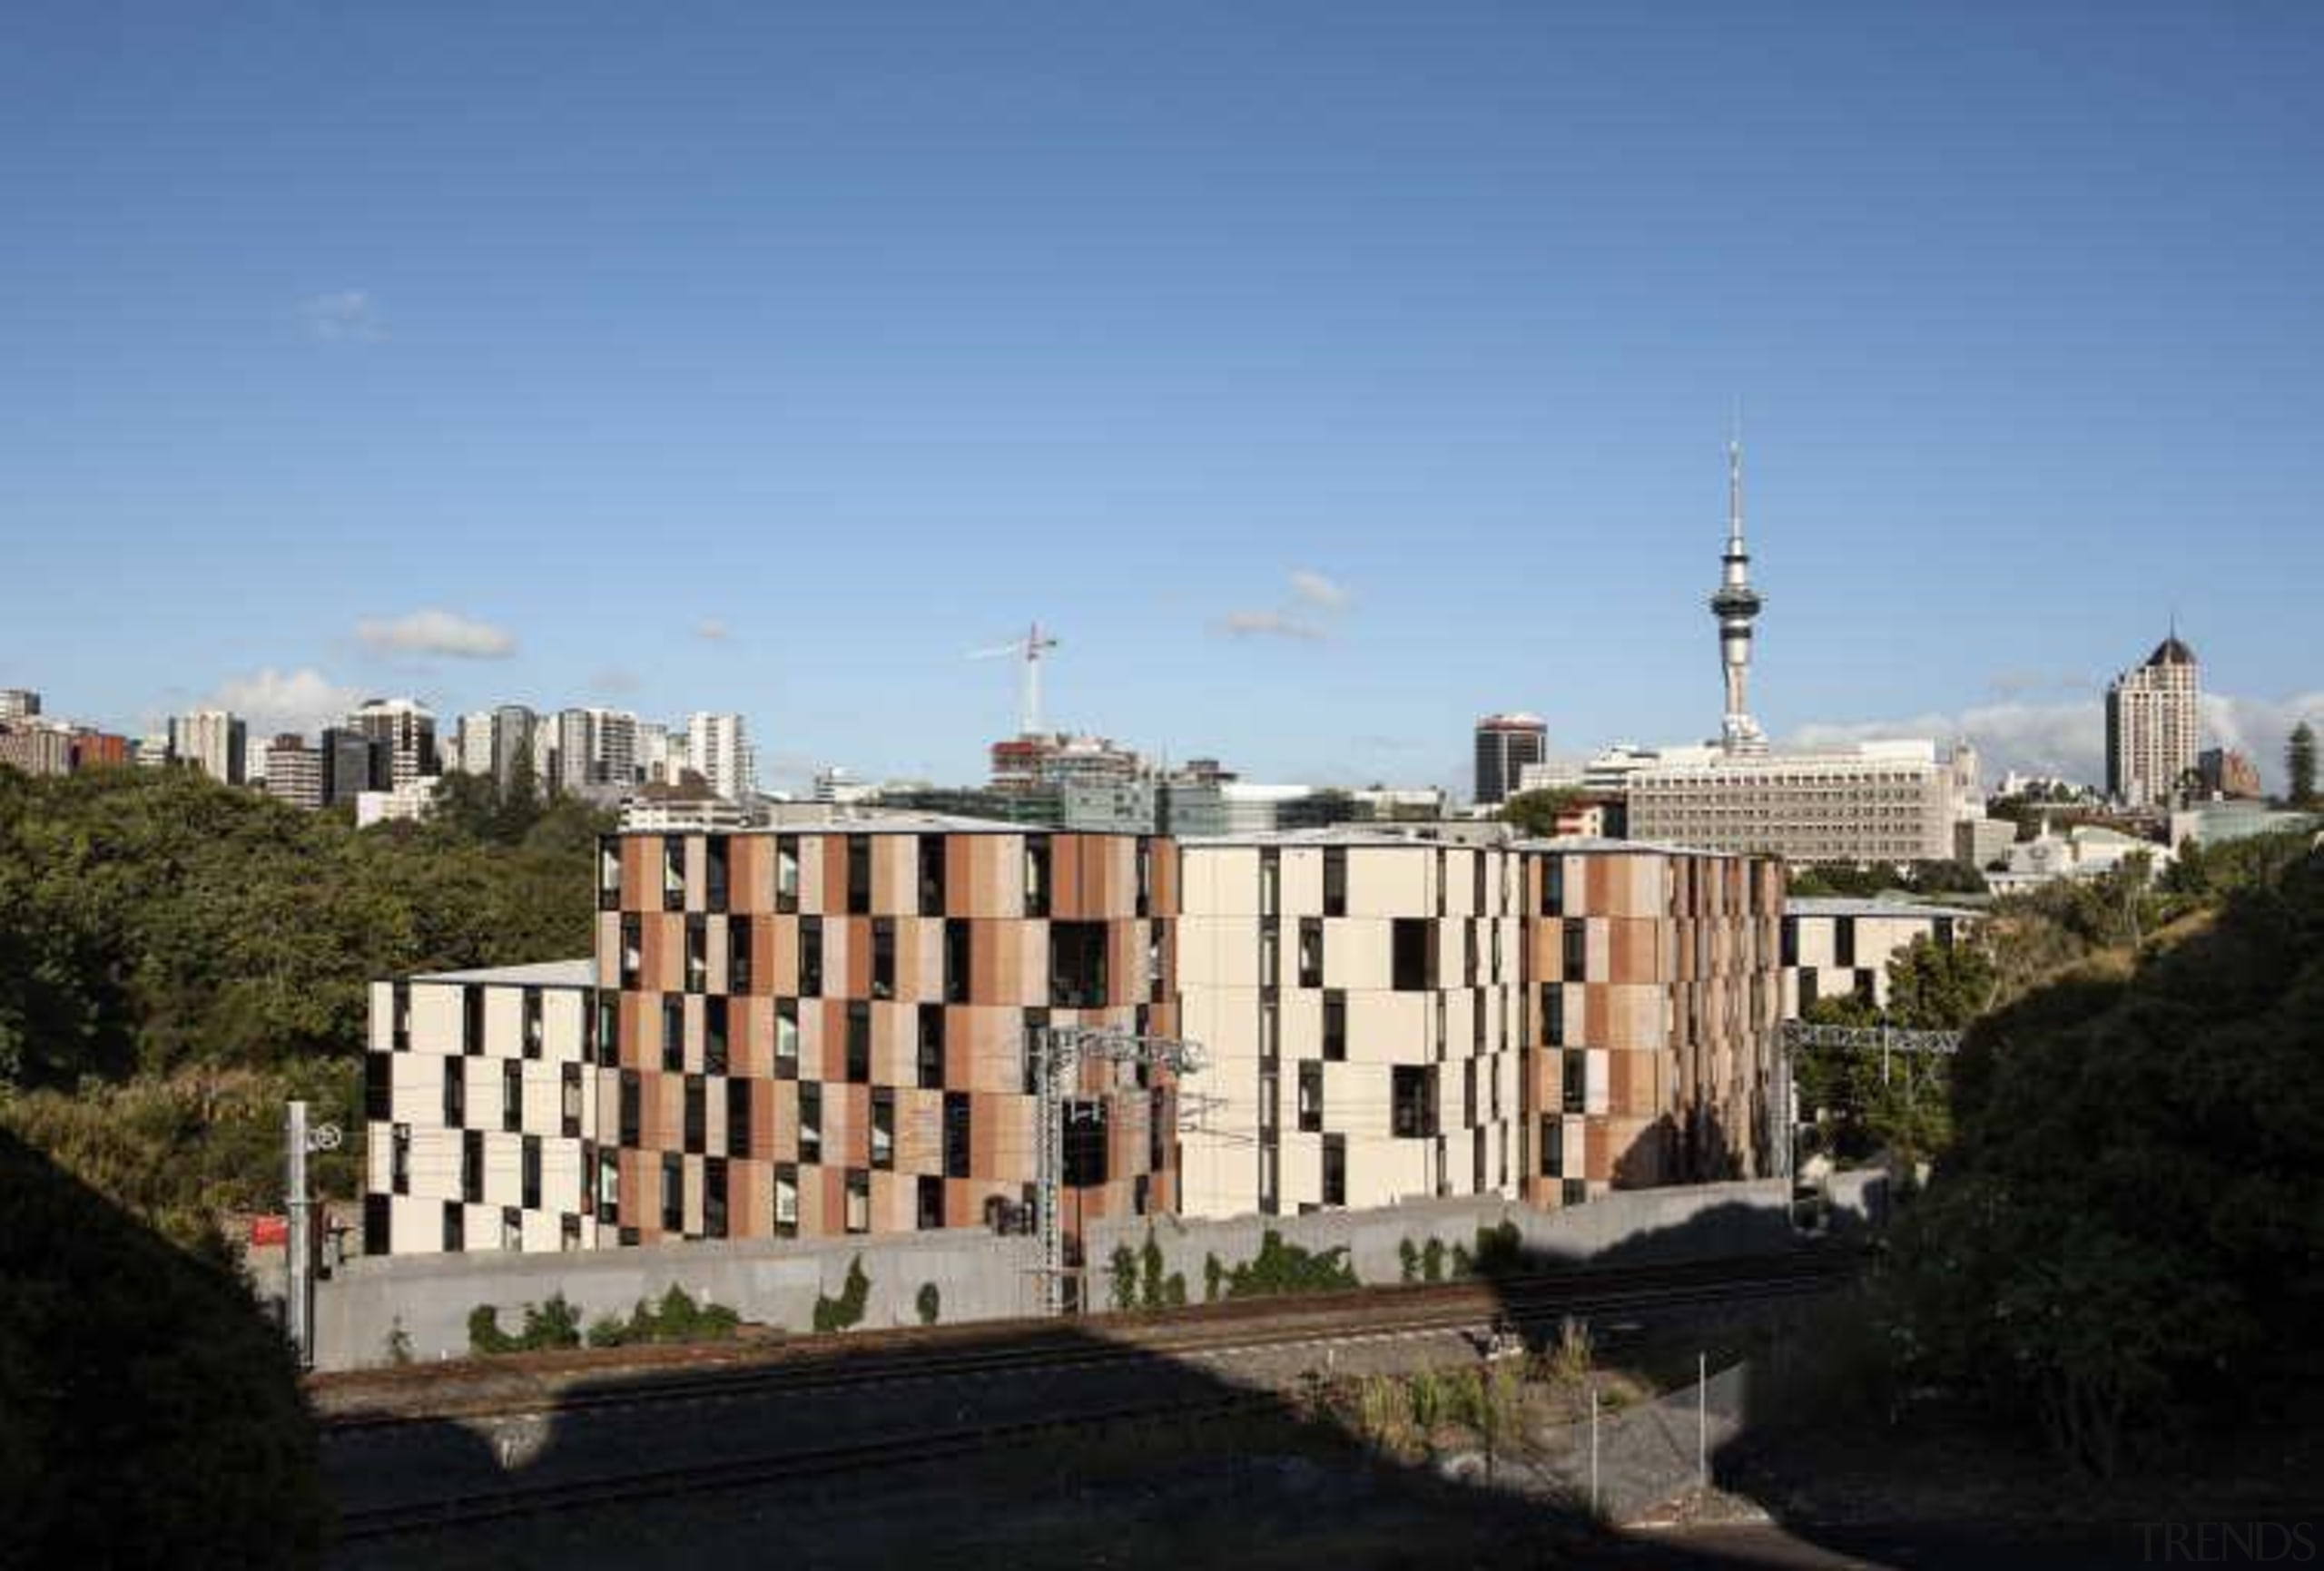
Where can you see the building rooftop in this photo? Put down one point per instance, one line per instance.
(1412, 835)
(539, 973)
(1856, 905)
(838, 819)
(2171, 652)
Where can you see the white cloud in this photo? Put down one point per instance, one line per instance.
(2070, 739)
(437, 633)
(1267, 624)
(348, 316)
(1314, 589)
(614, 681)
(273, 701)
(711, 630)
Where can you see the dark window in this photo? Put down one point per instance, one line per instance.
(715, 1015)
(472, 1020)
(455, 1094)
(883, 957)
(738, 1118)
(535, 1023)
(1807, 990)
(958, 958)
(472, 1166)
(673, 1193)
(859, 1201)
(1157, 1128)
(1334, 1170)
(674, 873)
(786, 1200)
(1414, 957)
(1844, 941)
(957, 1130)
(1311, 1097)
(1145, 878)
(674, 1033)
(455, 1227)
(739, 976)
(1037, 875)
(1574, 1075)
(1270, 952)
(512, 1095)
(377, 1208)
(930, 1212)
(1334, 1024)
(1085, 1143)
(1270, 1173)
(859, 1043)
(399, 1158)
(608, 1030)
(1311, 951)
(609, 875)
(1270, 1105)
(884, 1128)
(1469, 1099)
(1270, 880)
(714, 871)
(400, 1017)
(714, 1197)
(1791, 940)
(931, 875)
(633, 950)
(1941, 931)
(1413, 1100)
(786, 874)
(811, 1121)
(1553, 1143)
(569, 1091)
(1552, 1015)
(697, 954)
(786, 1038)
(697, 1115)
(531, 1174)
(929, 1052)
(1866, 988)
(810, 956)
(1270, 1027)
(1078, 964)
(1477, 883)
(608, 1187)
(1576, 939)
(1574, 1191)
(1035, 1020)
(1335, 880)
(378, 1087)
(858, 874)
(631, 1107)
(568, 1232)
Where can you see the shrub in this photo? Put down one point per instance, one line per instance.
(1408, 1259)
(1501, 1249)
(1214, 1279)
(837, 1314)
(1174, 1291)
(1282, 1268)
(1431, 1260)
(399, 1343)
(930, 1303)
(608, 1330)
(555, 1324)
(1125, 1285)
(485, 1335)
(1150, 1258)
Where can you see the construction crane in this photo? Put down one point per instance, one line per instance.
(1030, 648)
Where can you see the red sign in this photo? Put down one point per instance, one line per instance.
(269, 1232)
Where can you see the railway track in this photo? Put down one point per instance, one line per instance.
(994, 1347)
(1533, 1302)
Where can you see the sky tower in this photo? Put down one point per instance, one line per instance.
(1737, 605)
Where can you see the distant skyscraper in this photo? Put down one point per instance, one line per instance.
(2154, 725)
(2227, 774)
(719, 750)
(407, 728)
(212, 741)
(1506, 743)
(472, 743)
(597, 747)
(1736, 605)
(18, 704)
(294, 771)
(351, 764)
(512, 739)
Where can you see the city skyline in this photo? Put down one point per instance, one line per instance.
(779, 378)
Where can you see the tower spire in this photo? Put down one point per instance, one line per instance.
(1736, 605)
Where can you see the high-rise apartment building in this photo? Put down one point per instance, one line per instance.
(1506, 744)
(294, 771)
(407, 729)
(718, 749)
(471, 752)
(2154, 725)
(36, 747)
(18, 704)
(212, 741)
(596, 748)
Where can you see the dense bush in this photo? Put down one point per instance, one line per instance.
(838, 1314)
(1286, 1268)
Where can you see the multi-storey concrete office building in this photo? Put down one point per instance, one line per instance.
(1507, 744)
(1879, 802)
(821, 1029)
(406, 728)
(1835, 948)
(212, 741)
(477, 1101)
(294, 771)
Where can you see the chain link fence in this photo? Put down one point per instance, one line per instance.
(1625, 1461)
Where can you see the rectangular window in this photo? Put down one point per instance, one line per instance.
(1334, 1170)
(859, 1201)
(512, 1095)
(715, 872)
(1335, 880)
(568, 1109)
(472, 1021)
(959, 955)
(608, 1188)
(531, 1174)
(1477, 883)
(786, 1038)
(378, 1087)
(1270, 1105)
(1844, 941)
(609, 875)
(1469, 1098)
(858, 874)
(608, 1030)
(1551, 1134)
(1335, 1025)
(1574, 1080)
(1311, 1097)
(1552, 1015)
(1037, 875)
(931, 875)
(1078, 964)
(633, 950)
(455, 1227)
(1791, 940)
(697, 954)
(738, 1118)
(1575, 939)
(1574, 1191)
(715, 1014)
(1808, 988)
(399, 1018)
(674, 873)
(811, 1121)
(1270, 881)
(883, 957)
(1412, 960)
(884, 1128)
(1270, 1181)
(1271, 1028)
(1145, 878)
(1084, 1144)
(786, 1200)
(739, 976)
(376, 1209)
(674, 1033)
(673, 1193)
(399, 1158)
(810, 956)
(633, 1107)
(928, 1212)
(714, 1197)
(958, 1145)
(535, 1023)
(697, 1114)
(1270, 954)
(472, 1166)
(929, 1052)
(455, 1094)
(1311, 951)
(859, 1043)
(786, 874)
(1412, 1102)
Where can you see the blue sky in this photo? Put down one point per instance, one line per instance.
(865, 335)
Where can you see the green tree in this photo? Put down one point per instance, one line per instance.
(2300, 765)
(1534, 814)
